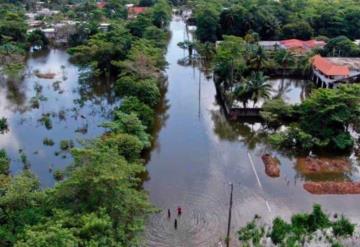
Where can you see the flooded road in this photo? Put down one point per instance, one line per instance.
(66, 107)
(198, 153)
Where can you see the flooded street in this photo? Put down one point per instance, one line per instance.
(63, 107)
(198, 153)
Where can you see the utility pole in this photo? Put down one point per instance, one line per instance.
(229, 218)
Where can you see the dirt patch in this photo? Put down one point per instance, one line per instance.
(272, 165)
(310, 165)
(342, 188)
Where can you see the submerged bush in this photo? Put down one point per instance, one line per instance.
(58, 175)
(300, 230)
(66, 145)
(4, 162)
(46, 121)
(3, 125)
(48, 142)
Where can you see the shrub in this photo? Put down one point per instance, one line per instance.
(66, 145)
(145, 90)
(48, 142)
(4, 162)
(58, 175)
(145, 113)
(3, 125)
(343, 227)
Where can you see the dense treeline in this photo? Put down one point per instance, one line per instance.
(99, 202)
(13, 39)
(273, 20)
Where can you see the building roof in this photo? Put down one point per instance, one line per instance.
(134, 10)
(329, 68)
(302, 44)
(101, 4)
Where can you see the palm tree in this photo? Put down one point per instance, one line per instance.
(242, 93)
(284, 58)
(258, 87)
(258, 57)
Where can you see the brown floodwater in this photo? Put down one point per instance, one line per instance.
(198, 153)
(74, 105)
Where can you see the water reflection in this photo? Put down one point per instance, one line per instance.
(54, 100)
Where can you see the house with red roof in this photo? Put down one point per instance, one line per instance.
(329, 69)
(134, 11)
(301, 46)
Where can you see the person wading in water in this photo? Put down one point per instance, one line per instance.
(169, 213)
(175, 224)
(179, 211)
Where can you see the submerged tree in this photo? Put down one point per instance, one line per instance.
(258, 87)
(299, 231)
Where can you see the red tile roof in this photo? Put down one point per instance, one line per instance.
(301, 44)
(101, 5)
(136, 10)
(328, 68)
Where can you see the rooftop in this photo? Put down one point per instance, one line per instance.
(135, 10)
(101, 4)
(353, 63)
(303, 45)
(329, 68)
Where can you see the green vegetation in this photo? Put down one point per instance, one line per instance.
(4, 162)
(66, 145)
(144, 112)
(12, 39)
(46, 120)
(58, 175)
(100, 203)
(299, 231)
(48, 142)
(323, 120)
(237, 57)
(3, 125)
(253, 88)
(38, 39)
(273, 20)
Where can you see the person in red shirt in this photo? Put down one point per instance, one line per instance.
(179, 211)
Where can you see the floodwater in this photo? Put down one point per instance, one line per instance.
(74, 106)
(198, 153)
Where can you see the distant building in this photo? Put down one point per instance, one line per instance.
(296, 46)
(134, 11)
(63, 31)
(104, 27)
(47, 12)
(269, 45)
(49, 32)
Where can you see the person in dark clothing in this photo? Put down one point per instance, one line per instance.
(169, 213)
(175, 224)
(179, 211)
